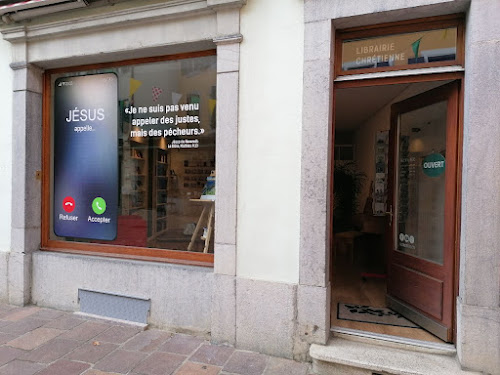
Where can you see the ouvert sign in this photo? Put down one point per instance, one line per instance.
(433, 165)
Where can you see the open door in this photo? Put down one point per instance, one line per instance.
(422, 209)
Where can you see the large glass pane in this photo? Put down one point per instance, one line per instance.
(159, 190)
(421, 182)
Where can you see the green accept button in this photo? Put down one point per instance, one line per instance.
(99, 205)
(433, 165)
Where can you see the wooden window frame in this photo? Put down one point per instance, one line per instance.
(114, 251)
(402, 27)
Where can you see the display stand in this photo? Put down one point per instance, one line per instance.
(208, 211)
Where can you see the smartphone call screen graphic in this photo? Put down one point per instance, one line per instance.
(86, 156)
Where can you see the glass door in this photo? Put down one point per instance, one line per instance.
(423, 210)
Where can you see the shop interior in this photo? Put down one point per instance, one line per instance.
(163, 178)
(359, 284)
(162, 192)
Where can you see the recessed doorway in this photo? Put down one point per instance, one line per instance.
(395, 199)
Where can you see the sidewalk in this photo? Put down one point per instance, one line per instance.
(42, 341)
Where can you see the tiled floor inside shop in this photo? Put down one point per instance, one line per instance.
(350, 287)
(39, 341)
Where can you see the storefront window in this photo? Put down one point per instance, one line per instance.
(132, 156)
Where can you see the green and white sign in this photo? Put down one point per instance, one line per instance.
(433, 165)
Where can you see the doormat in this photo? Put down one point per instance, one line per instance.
(375, 315)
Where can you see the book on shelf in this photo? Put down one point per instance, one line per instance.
(208, 192)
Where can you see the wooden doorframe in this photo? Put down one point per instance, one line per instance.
(383, 81)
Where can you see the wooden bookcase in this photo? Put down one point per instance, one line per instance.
(160, 192)
(135, 179)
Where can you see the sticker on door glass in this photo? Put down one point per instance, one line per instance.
(433, 165)
(407, 241)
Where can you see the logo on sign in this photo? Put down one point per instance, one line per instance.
(406, 240)
(65, 83)
(434, 165)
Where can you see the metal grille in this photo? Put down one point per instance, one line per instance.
(114, 306)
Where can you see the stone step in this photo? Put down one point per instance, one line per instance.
(348, 357)
(396, 342)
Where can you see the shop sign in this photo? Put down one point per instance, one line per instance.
(86, 157)
(400, 49)
(433, 165)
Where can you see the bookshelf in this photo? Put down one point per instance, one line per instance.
(160, 192)
(135, 181)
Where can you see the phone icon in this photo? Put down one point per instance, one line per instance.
(99, 205)
(68, 204)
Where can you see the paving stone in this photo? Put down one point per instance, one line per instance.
(91, 353)
(246, 363)
(85, 331)
(52, 350)
(5, 308)
(23, 326)
(212, 354)
(191, 368)
(97, 372)
(47, 335)
(181, 344)
(6, 337)
(17, 367)
(285, 366)
(147, 341)
(49, 314)
(65, 323)
(35, 338)
(159, 364)
(64, 367)
(120, 361)
(19, 313)
(7, 354)
(117, 334)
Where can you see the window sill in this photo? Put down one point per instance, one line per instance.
(133, 253)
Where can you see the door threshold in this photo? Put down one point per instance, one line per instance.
(345, 356)
(394, 341)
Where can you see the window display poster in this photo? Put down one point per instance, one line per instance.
(85, 199)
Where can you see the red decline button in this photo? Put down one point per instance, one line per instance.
(68, 204)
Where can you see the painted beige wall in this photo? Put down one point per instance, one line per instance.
(269, 140)
(5, 144)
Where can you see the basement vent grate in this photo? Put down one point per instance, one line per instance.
(114, 306)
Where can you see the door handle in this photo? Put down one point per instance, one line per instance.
(390, 214)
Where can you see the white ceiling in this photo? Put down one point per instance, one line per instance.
(354, 106)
